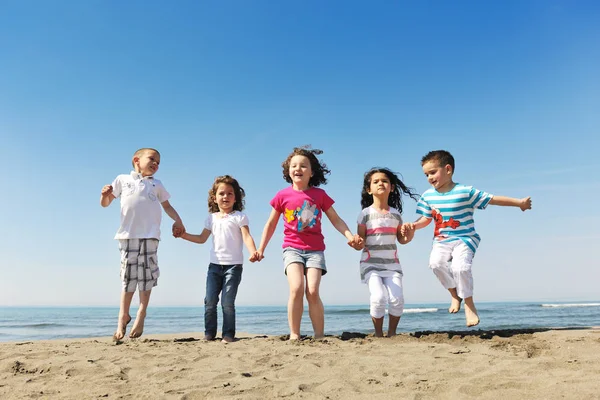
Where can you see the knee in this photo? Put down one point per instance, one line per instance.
(312, 294)
(211, 302)
(396, 306)
(437, 264)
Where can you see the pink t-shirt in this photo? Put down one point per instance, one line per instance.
(302, 212)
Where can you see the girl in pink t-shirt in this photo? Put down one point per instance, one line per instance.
(301, 207)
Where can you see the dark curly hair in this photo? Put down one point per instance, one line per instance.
(443, 157)
(319, 169)
(238, 191)
(398, 188)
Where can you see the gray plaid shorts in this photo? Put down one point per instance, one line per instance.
(139, 264)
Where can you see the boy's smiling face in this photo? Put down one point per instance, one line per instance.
(147, 163)
(440, 177)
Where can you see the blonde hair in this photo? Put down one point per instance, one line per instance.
(139, 153)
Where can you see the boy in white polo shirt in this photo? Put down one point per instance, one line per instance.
(141, 199)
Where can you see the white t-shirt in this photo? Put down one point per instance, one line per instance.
(227, 237)
(141, 209)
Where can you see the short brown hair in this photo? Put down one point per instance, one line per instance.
(141, 151)
(443, 157)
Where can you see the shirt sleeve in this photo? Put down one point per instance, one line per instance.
(117, 187)
(276, 202)
(208, 222)
(243, 220)
(361, 220)
(162, 193)
(480, 199)
(423, 208)
(326, 202)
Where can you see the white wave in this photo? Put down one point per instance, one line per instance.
(572, 305)
(419, 310)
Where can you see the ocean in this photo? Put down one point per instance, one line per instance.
(19, 324)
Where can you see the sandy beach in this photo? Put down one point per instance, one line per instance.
(530, 364)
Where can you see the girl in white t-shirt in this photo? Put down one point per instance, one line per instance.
(229, 227)
(380, 224)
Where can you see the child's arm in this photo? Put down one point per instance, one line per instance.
(342, 228)
(524, 203)
(106, 196)
(177, 225)
(418, 224)
(249, 242)
(361, 231)
(268, 231)
(200, 239)
(405, 233)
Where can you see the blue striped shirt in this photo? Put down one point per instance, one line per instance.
(452, 213)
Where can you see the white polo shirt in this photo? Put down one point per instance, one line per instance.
(141, 209)
(227, 237)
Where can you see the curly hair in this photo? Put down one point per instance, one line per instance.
(443, 157)
(238, 191)
(398, 188)
(319, 169)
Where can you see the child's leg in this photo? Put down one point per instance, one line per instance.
(462, 257)
(231, 281)
(378, 300)
(441, 254)
(214, 284)
(295, 276)
(395, 302)
(138, 325)
(124, 316)
(315, 305)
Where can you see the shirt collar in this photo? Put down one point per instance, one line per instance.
(138, 176)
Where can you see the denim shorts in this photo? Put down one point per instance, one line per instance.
(309, 258)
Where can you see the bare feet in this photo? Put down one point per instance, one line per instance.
(121, 327)
(456, 300)
(471, 312)
(227, 339)
(138, 326)
(378, 325)
(294, 337)
(393, 325)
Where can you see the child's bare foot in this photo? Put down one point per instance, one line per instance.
(227, 339)
(454, 305)
(121, 327)
(294, 337)
(471, 313)
(138, 326)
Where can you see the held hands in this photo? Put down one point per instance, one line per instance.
(357, 242)
(525, 204)
(106, 190)
(178, 229)
(407, 228)
(256, 256)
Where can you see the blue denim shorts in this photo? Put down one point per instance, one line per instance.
(309, 258)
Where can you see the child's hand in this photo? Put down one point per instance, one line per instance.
(107, 190)
(525, 204)
(256, 256)
(357, 242)
(406, 227)
(178, 229)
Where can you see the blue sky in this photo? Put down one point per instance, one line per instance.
(510, 88)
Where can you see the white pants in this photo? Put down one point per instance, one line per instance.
(386, 292)
(457, 275)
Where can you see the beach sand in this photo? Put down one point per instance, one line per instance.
(503, 364)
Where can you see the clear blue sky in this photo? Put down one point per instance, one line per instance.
(511, 88)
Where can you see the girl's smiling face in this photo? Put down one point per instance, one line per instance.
(300, 172)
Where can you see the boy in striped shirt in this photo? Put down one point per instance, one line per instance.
(451, 206)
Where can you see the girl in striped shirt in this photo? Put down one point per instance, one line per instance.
(380, 225)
